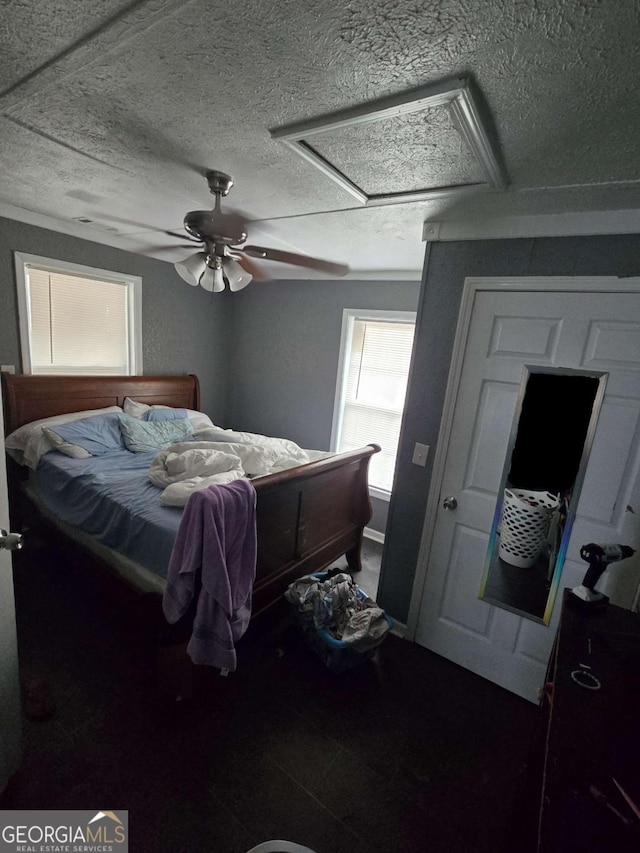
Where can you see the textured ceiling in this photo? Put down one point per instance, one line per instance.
(113, 111)
(406, 153)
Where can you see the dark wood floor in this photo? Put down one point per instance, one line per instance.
(406, 753)
(371, 558)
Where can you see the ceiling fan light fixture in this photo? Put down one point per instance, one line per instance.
(218, 279)
(212, 280)
(206, 280)
(192, 269)
(235, 275)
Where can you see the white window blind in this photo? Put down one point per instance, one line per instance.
(75, 323)
(378, 354)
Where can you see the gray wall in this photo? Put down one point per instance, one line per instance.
(284, 355)
(184, 329)
(447, 265)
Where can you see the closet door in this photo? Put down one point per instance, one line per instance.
(587, 330)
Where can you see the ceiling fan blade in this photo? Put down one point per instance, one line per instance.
(139, 227)
(166, 248)
(250, 266)
(182, 236)
(299, 260)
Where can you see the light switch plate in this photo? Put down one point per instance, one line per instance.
(420, 453)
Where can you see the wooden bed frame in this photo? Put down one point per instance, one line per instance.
(307, 517)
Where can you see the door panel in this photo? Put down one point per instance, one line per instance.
(458, 602)
(508, 329)
(609, 476)
(512, 337)
(532, 642)
(9, 690)
(613, 345)
(496, 406)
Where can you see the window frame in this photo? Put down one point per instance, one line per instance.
(133, 283)
(349, 316)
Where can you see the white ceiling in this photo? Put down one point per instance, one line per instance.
(113, 112)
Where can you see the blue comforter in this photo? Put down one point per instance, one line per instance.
(111, 498)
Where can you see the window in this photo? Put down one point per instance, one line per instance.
(372, 382)
(76, 319)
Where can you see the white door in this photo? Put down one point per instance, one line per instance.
(585, 330)
(9, 690)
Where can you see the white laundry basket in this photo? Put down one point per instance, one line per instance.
(526, 516)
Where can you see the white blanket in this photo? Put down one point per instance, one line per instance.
(188, 466)
(287, 453)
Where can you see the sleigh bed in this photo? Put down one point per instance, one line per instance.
(307, 516)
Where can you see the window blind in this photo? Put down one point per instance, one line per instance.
(374, 392)
(77, 324)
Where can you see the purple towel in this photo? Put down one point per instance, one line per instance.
(217, 537)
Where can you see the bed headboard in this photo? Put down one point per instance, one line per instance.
(28, 398)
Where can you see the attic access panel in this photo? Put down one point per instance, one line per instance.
(428, 143)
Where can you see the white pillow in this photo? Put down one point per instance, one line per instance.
(133, 408)
(72, 450)
(137, 410)
(29, 442)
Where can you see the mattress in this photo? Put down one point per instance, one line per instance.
(111, 499)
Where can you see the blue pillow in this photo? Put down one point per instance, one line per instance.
(165, 414)
(143, 436)
(97, 435)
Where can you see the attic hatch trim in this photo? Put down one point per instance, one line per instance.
(456, 94)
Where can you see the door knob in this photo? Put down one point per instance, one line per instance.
(10, 541)
(449, 503)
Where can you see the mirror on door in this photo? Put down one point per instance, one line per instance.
(551, 436)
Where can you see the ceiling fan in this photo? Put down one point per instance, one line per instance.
(223, 259)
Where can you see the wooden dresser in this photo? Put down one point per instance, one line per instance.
(589, 735)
